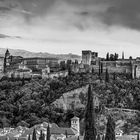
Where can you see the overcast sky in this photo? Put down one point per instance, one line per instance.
(69, 26)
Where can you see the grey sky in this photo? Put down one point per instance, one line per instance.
(63, 26)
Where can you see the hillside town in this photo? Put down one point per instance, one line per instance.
(69, 69)
(77, 88)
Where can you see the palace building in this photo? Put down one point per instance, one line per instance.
(36, 64)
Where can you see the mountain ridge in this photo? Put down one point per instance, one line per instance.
(25, 53)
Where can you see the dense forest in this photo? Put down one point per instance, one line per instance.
(27, 102)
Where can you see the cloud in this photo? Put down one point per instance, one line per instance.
(77, 14)
(124, 13)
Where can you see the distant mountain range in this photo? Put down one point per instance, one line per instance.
(24, 53)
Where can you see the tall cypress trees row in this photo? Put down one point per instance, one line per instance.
(110, 130)
(90, 130)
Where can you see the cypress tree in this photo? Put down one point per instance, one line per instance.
(48, 133)
(101, 67)
(103, 137)
(34, 135)
(66, 133)
(107, 76)
(4, 65)
(110, 130)
(29, 137)
(90, 130)
(114, 76)
(78, 138)
(98, 137)
(107, 56)
(41, 135)
(92, 70)
(138, 137)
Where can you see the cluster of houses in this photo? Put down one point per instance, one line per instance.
(56, 132)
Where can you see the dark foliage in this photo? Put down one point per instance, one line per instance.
(90, 130)
(110, 130)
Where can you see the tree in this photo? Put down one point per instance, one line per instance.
(107, 76)
(98, 137)
(66, 133)
(90, 130)
(34, 135)
(130, 57)
(41, 137)
(116, 56)
(48, 133)
(103, 137)
(114, 76)
(4, 65)
(101, 67)
(138, 137)
(78, 138)
(107, 57)
(112, 57)
(29, 137)
(62, 65)
(110, 131)
(92, 70)
(76, 61)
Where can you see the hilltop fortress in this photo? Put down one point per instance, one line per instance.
(17, 66)
(91, 61)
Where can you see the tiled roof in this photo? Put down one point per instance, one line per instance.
(55, 129)
(75, 118)
(69, 131)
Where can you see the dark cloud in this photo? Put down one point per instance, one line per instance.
(118, 12)
(124, 13)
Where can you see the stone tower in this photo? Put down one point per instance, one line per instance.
(86, 57)
(75, 125)
(7, 55)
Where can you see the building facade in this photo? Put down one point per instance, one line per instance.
(89, 57)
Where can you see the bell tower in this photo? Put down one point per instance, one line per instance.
(7, 55)
(75, 125)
